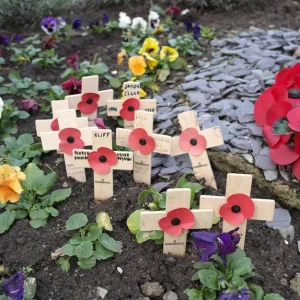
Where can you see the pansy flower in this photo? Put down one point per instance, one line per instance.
(173, 10)
(88, 103)
(29, 105)
(129, 107)
(176, 221)
(105, 19)
(191, 141)
(169, 53)
(102, 160)
(72, 60)
(70, 140)
(188, 25)
(94, 23)
(14, 286)
(49, 25)
(196, 31)
(49, 43)
(150, 46)
(137, 65)
(139, 140)
(120, 56)
(1, 107)
(124, 20)
(243, 294)
(237, 208)
(61, 23)
(99, 122)
(17, 38)
(150, 61)
(76, 24)
(139, 24)
(72, 85)
(4, 40)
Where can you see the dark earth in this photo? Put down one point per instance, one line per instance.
(275, 260)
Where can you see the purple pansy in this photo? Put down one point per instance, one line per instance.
(188, 25)
(14, 286)
(4, 40)
(196, 31)
(76, 24)
(94, 23)
(214, 243)
(17, 38)
(49, 25)
(105, 19)
(243, 294)
(99, 122)
(29, 105)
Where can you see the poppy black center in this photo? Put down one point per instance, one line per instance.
(193, 142)
(294, 93)
(235, 209)
(175, 221)
(143, 142)
(102, 159)
(70, 139)
(89, 101)
(130, 108)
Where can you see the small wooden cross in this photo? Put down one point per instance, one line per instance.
(90, 98)
(103, 154)
(143, 142)
(56, 140)
(52, 124)
(195, 141)
(239, 184)
(126, 108)
(176, 199)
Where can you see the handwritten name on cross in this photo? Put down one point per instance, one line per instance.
(126, 108)
(90, 98)
(143, 142)
(67, 138)
(195, 141)
(103, 160)
(237, 206)
(176, 220)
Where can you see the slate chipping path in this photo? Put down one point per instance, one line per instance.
(223, 91)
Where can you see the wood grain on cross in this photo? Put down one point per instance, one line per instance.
(51, 141)
(176, 198)
(200, 163)
(131, 91)
(103, 182)
(90, 84)
(239, 184)
(142, 162)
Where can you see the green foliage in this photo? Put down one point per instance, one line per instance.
(88, 245)
(19, 152)
(24, 54)
(186, 45)
(34, 202)
(281, 127)
(48, 58)
(8, 119)
(110, 26)
(216, 278)
(208, 32)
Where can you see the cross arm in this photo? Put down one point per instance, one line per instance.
(122, 136)
(212, 202)
(149, 220)
(125, 160)
(80, 158)
(203, 218)
(162, 143)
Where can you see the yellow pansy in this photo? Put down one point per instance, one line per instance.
(10, 187)
(169, 53)
(150, 46)
(142, 93)
(151, 62)
(158, 29)
(23, 58)
(137, 65)
(120, 57)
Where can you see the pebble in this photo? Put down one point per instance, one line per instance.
(170, 296)
(271, 175)
(101, 292)
(152, 289)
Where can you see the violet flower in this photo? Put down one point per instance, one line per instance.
(72, 85)
(94, 23)
(99, 122)
(196, 31)
(14, 286)
(215, 243)
(243, 294)
(105, 19)
(49, 25)
(76, 24)
(4, 40)
(72, 60)
(61, 22)
(17, 38)
(29, 105)
(188, 25)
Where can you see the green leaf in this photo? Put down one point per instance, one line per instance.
(273, 297)
(163, 75)
(68, 249)
(52, 211)
(182, 181)
(37, 223)
(4, 90)
(76, 239)
(239, 282)
(21, 214)
(23, 114)
(146, 193)
(64, 264)
(235, 255)
(29, 288)
(101, 252)
(42, 85)
(203, 265)
(99, 68)
(209, 278)
(94, 233)
(6, 220)
(87, 263)
(25, 139)
(241, 266)
(178, 64)
(110, 244)
(193, 294)
(76, 221)
(257, 292)
(115, 82)
(103, 221)
(38, 214)
(60, 195)
(133, 222)
(143, 236)
(84, 250)
(14, 76)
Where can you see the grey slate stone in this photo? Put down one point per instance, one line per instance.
(264, 162)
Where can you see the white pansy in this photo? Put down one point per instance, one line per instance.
(1, 106)
(140, 24)
(154, 20)
(124, 20)
(184, 12)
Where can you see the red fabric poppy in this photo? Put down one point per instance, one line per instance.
(88, 103)
(128, 109)
(140, 140)
(191, 141)
(102, 160)
(55, 125)
(283, 155)
(177, 220)
(273, 139)
(70, 140)
(278, 110)
(289, 77)
(296, 169)
(293, 117)
(238, 208)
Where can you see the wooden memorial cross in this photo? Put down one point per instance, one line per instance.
(195, 141)
(237, 206)
(103, 160)
(90, 98)
(176, 220)
(126, 108)
(52, 124)
(143, 142)
(68, 138)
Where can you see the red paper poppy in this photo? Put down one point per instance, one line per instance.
(102, 160)
(238, 208)
(140, 140)
(193, 142)
(296, 169)
(88, 103)
(283, 155)
(177, 220)
(273, 139)
(70, 140)
(293, 117)
(278, 110)
(128, 109)
(289, 77)
(55, 125)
